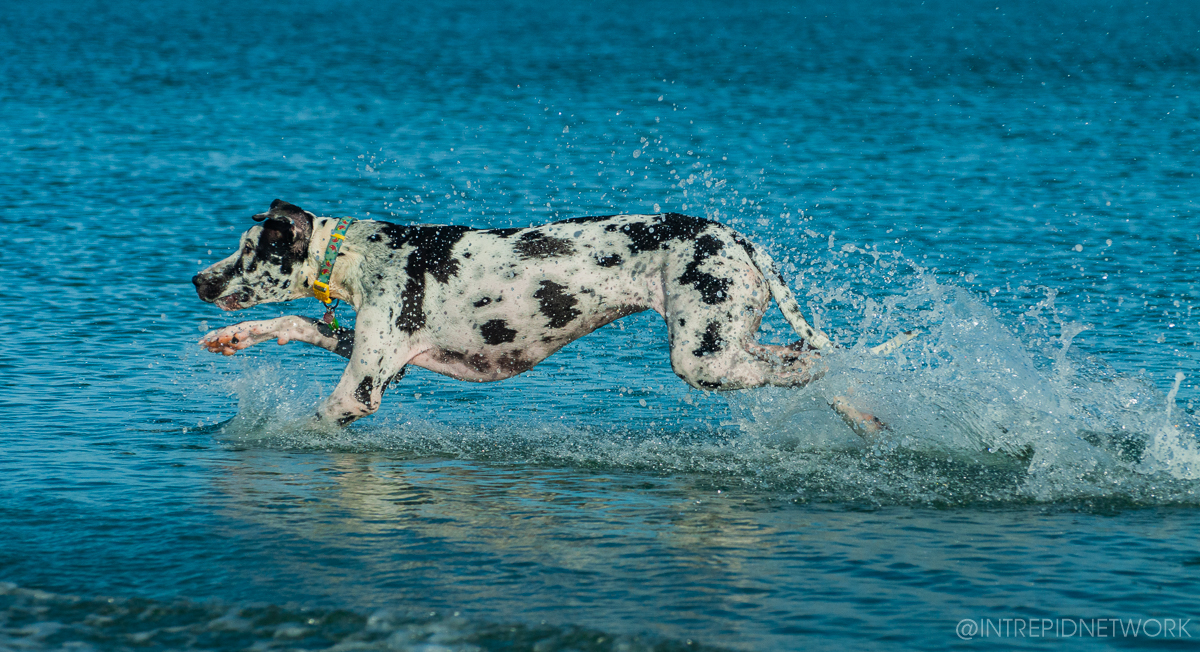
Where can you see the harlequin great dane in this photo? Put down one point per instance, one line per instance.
(488, 304)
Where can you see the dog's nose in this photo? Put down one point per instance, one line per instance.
(205, 289)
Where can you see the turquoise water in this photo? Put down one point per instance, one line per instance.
(1017, 180)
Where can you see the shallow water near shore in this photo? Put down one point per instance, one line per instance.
(1016, 181)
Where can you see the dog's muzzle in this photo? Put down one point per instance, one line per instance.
(210, 290)
(206, 289)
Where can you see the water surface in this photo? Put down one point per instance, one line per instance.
(1015, 179)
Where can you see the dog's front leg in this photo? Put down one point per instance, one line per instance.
(293, 328)
(377, 359)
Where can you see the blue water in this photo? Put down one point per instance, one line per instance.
(1016, 179)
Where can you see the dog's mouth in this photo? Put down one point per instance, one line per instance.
(234, 301)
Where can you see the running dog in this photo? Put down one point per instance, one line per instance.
(487, 304)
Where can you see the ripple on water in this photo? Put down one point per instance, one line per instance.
(38, 620)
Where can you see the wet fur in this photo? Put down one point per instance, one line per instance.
(487, 304)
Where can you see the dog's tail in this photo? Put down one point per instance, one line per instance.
(791, 308)
(787, 301)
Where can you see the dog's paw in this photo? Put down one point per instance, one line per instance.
(231, 339)
(864, 424)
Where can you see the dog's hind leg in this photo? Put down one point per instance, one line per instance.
(231, 339)
(865, 424)
(713, 347)
(724, 356)
(713, 306)
(784, 361)
(710, 361)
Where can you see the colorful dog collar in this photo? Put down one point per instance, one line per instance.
(320, 287)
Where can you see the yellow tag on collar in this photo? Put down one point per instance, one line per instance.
(321, 291)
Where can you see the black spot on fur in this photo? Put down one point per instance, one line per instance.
(749, 247)
(211, 287)
(474, 361)
(588, 220)
(345, 336)
(608, 260)
(346, 420)
(535, 244)
(557, 305)
(496, 332)
(362, 393)
(502, 233)
(514, 363)
(431, 249)
(657, 232)
(479, 362)
(345, 342)
(482, 302)
(682, 322)
(711, 288)
(737, 237)
(277, 247)
(711, 342)
(289, 218)
(412, 306)
(395, 378)
(283, 208)
(708, 385)
(431, 246)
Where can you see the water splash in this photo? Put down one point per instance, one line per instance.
(973, 392)
(1172, 450)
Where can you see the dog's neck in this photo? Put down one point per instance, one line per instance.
(343, 283)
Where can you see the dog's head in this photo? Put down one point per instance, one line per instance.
(268, 265)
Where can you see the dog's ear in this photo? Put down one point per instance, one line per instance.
(298, 220)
